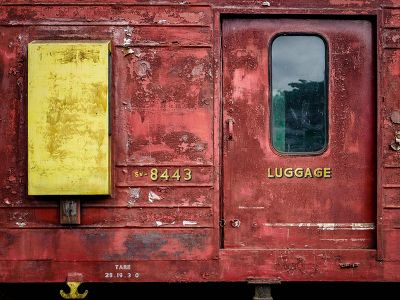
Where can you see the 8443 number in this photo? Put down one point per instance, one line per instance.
(167, 175)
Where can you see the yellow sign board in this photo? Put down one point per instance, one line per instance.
(68, 118)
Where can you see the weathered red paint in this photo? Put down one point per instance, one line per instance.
(291, 212)
(168, 97)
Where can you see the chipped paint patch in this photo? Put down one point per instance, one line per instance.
(134, 195)
(199, 147)
(198, 70)
(159, 223)
(142, 68)
(128, 51)
(20, 218)
(128, 36)
(395, 38)
(326, 226)
(134, 51)
(189, 223)
(153, 197)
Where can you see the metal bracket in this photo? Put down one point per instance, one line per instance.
(262, 292)
(70, 212)
(73, 293)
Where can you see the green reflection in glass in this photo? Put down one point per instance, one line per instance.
(299, 101)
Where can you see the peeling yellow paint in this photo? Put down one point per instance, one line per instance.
(68, 118)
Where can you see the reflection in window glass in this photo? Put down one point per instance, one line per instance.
(299, 101)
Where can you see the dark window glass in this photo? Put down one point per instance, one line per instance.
(299, 94)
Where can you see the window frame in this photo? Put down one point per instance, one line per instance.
(326, 77)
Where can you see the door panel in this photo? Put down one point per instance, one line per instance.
(306, 208)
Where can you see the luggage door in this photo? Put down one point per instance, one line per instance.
(299, 132)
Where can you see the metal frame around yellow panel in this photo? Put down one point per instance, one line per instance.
(68, 118)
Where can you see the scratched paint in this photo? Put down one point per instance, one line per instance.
(153, 197)
(326, 226)
(160, 223)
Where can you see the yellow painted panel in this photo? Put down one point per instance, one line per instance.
(68, 118)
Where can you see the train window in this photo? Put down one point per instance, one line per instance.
(299, 94)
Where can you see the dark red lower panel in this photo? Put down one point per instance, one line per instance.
(105, 245)
(233, 265)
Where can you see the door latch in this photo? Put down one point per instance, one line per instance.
(230, 122)
(395, 145)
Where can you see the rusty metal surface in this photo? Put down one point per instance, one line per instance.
(166, 118)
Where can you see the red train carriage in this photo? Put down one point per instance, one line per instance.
(213, 141)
